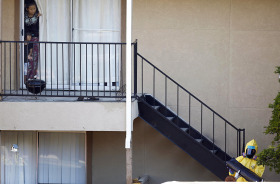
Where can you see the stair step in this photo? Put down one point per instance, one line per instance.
(170, 118)
(214, 151)
(199, 140)
(156, 107)
(184, 129)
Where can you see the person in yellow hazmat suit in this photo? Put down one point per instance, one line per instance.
(248, 159)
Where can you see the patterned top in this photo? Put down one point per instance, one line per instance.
(31, 24)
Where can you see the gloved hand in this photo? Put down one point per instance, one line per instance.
(231, 171)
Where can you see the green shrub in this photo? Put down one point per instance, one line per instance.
(271, 156)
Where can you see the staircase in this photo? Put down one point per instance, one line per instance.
(183, 135)
(195, 143)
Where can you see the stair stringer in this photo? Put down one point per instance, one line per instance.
(183, 140)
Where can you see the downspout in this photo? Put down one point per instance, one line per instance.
(128, 73)
(128, 94)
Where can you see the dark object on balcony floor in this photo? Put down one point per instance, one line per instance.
(35, 86)
(83, 98)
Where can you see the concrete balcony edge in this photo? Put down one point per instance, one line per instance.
(65, 116)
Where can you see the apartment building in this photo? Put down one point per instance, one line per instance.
(202, 72)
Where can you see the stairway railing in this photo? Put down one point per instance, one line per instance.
(168, 86)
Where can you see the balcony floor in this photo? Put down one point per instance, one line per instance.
(50, 113)
(63, 96)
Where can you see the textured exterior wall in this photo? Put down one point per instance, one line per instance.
(153, 155)
(65, 116)
(10, 19)
(10, 31)
(223, 51)
(156, 156)
(108, 158)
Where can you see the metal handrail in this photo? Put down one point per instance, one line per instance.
(83, 55)
(187, 91)
(239, 146)
(55, 42)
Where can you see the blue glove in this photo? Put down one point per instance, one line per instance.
(231, 171)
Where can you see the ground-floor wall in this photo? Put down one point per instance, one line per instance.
(108, 158)
(102, 154)
(158, 157)
(153, 155)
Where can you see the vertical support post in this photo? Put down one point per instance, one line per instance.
(142, 76)
(237, 142)
(135, 68)
(201, 119)
(128, 73)
(129, 166)
(240, 130)
(225, 141)
(89, 138)
(213, 131)
(243, 147)
(128, 93)
(189, 114)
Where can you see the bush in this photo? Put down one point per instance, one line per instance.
(271, 156)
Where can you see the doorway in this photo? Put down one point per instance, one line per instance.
(74, 53)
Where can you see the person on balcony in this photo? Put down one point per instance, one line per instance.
(28, 59)
(31, 24)
(248, 159)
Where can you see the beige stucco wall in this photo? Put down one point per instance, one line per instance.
(10, 19)
(156, 156)
(153, 155)
(223, 51)
(65, 116)
(10, 30)
(108, 157)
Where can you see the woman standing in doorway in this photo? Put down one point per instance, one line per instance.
(31, 24)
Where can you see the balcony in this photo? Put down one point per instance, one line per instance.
(74, 74)
(87, 71)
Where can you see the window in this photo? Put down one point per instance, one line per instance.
(60, 158)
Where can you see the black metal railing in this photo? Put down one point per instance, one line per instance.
(69, 69)
(80, 69)
(185, 105)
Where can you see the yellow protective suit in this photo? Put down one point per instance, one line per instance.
(250, 163)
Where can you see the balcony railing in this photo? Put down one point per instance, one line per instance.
(69, 69)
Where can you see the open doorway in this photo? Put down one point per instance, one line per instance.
(30, 34)
(68, 56)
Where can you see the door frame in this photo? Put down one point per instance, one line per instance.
(21, 47)
(72, 84)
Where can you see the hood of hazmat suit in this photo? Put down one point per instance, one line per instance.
(250, 163)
